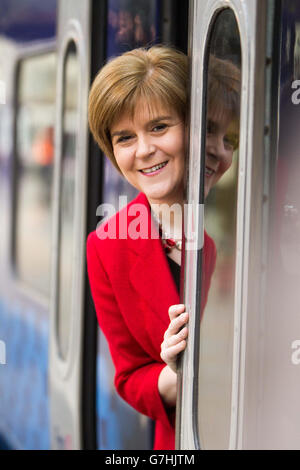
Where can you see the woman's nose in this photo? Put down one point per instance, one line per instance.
(144, 146)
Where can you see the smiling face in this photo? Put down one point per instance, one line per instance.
(221, 141)
(150, 152)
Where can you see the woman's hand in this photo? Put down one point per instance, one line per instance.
(174, 342)
(175, 336)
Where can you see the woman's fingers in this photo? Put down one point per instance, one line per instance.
(169, 355)
(176, 324)
(171, 341)
(175, 339)
(175, 310)
(175, 336)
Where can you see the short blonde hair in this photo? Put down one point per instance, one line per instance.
(158, 75)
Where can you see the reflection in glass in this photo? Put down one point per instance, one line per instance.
(35, 150)
(220, 190)
(67, 197)
(131, 25)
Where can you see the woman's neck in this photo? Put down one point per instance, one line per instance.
(170, 218)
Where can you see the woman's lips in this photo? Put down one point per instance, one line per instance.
(154, 172)
(209, 172)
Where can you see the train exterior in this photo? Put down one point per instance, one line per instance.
(240, 377)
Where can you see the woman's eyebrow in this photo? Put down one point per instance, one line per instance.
(118, 133)
(151, 122)
(160, 118)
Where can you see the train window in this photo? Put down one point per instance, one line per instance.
(35, 150)
(222, 84)
(67, 196)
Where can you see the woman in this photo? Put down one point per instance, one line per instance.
(137, 114)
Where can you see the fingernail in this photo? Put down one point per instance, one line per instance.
(179, 307)
(176, 308)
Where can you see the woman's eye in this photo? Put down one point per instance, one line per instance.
(227, 142)
(159, 127)
(123, 138)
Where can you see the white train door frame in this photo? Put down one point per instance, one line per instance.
(65, 368)
(251, 17)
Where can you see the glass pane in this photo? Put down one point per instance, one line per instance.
(220, 191)
(67, 197)
(35, 150)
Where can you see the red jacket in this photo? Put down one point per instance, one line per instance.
(132, 289)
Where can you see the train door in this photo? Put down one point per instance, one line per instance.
(69, 223)
(240, 384)
(224, 120)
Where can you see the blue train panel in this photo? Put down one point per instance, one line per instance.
(24, 404)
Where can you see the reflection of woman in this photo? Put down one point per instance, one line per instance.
(144, 32)
(130, 27)
(137, 114)
(125, 34)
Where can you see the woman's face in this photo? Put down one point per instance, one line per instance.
(150, 151)
(221, 141)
